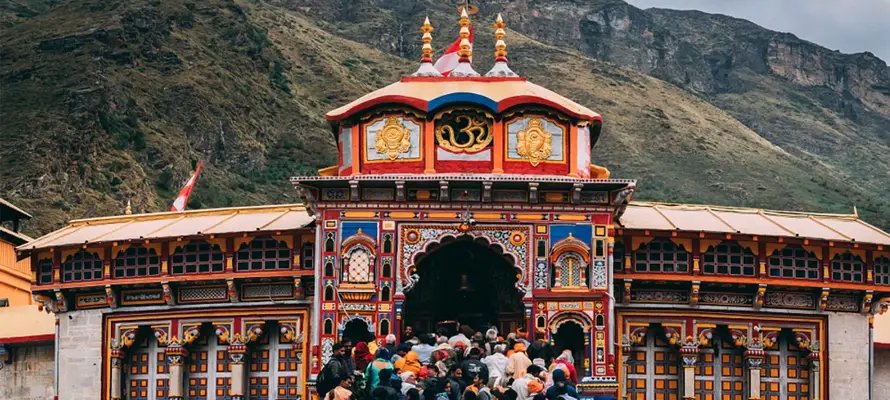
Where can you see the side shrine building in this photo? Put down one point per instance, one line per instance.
(467, 198)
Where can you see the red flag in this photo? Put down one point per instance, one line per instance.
(448, 61)
(183, 198)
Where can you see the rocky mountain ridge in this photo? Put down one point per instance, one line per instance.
(117, 100)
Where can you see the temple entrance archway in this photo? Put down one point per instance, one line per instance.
(570, 336)
(357, 330)
(467, 281)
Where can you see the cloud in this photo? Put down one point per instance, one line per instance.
(851, 26)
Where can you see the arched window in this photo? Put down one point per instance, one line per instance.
(794, 262)
(308, 255)
(618, 257)
(329, 241)
(387, 243)
(329, 293)
(385, 294)
(661, 255)
(136, 261)
(729, 258)
(847, 267)
(198, 257)
(263, 254)
(384, 327)
(570, 271)
(329, 266)
(386, 269)
(882, 270)
(82, 266)
(358, 259)
(600, 321)
(45, 271)
(328, 327)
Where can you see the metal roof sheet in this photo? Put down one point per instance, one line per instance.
(175, 224)
(751, 221)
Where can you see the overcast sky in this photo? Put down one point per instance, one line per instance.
(851, 26)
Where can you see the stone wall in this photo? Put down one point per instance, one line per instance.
(847, 356)
(80, 355)
(882, 374)
(30, 376)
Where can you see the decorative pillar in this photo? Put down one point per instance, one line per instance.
(754, 361)
(689, 353)
(625, 369)
(815, 371)
(236, 354)
(117, 359)
(176, 355)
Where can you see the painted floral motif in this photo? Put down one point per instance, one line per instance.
(729, 299)
(791, 300)
(393, 139)
(598, 273)
(842, 303)
(658, 296)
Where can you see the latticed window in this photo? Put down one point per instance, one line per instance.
(308, 259)
(882, 270)
(786, 372)
(146, 371)
(794, 262)
(661, 255)
(653, 371)
(570, 271)
(358, 265)
(275, 369)
(263, 254)
(82, 266)
(136, 261)
(729, 258)
(45, 271)
(618, 257)
(720, 374)
(847, 267)
(198, 257)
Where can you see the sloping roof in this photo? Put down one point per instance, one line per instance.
(11, 207)
(14, 237)
(175, 224)
(496, 94)
(23, 324)
(751, 221)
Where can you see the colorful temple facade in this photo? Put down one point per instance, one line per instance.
(465, 199)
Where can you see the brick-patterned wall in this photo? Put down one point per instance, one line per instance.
(30, 376)
(848, 356)
(882, 374)
(80, 355)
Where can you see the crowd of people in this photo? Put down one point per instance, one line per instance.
(465, 366)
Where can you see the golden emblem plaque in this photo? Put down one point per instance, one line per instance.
(393, 139)
(534, 142)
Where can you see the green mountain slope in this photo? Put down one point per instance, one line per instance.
(105, 102)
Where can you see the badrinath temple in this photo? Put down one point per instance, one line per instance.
(465, 198)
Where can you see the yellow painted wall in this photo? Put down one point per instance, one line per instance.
(15, 277)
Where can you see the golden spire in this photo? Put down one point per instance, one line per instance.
(465, 54)
(427, 29)
(465, 51)
(128, 210)
(500, 52)
(426, 59)
(500, 67)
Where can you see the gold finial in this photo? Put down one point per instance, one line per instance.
(128, 210)
(427, 40)
(465, 52)
(500, 52)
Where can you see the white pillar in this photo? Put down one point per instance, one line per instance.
(116, 361)
(175, 358)
(237, 354)
(689, 360)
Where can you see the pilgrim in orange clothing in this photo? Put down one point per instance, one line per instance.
(409, 363)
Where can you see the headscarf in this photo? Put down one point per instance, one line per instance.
(567, 362)
(409, 363)
(566, 356)
(362, 356)
(535, 386)
(540, 362)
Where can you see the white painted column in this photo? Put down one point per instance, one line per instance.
(175, 359)
(237, 354)
(690, 357)
(116, 361)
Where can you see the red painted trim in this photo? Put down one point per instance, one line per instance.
(29, 339)
(398, 99)
(882, 345)
(463, 79)
(525, 100)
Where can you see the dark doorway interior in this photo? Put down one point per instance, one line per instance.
(570, 336)
(465, 281)
(357, 330)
